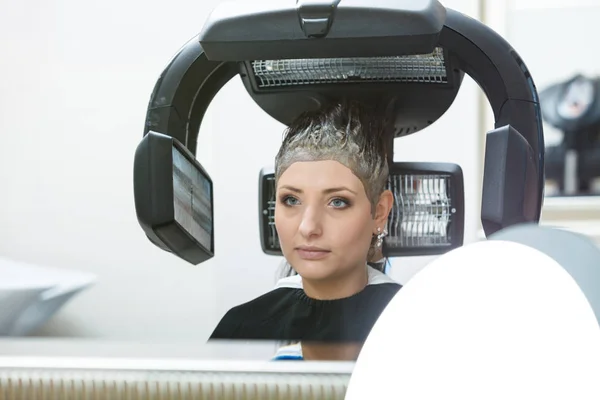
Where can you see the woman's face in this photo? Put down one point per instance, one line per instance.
(324, 219)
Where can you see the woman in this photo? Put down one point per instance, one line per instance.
(330, 214)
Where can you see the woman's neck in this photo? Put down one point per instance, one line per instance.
(337, 286)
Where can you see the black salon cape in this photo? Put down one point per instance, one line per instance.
(286, 313)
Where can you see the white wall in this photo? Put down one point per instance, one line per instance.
(76, 78)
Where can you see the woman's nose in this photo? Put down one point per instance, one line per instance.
(311, 224)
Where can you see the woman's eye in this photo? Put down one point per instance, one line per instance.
(339, 203)
(290, 201)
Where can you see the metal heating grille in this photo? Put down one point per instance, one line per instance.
(424, 68)
(422, 211)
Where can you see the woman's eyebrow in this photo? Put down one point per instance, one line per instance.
(338, 189)
(291, 189)
(326, 191)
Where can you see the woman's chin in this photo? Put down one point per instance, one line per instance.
(313, 270)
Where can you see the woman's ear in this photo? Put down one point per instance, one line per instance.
(383, 208)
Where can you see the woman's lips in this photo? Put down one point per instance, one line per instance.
(312, 253)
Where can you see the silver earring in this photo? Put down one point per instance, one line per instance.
(380, 236)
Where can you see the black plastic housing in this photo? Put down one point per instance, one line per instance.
(251, 30)
(243, 31)
(154, 198)
(510, 170)
(415, 105)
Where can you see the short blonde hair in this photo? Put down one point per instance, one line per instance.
(352, 133)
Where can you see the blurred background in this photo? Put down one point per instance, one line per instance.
(75, 80)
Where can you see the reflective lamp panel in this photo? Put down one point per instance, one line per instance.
(427, 217)
(192, 199)
(421, 68)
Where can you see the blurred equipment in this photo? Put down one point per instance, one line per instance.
(31, 294)
(293, 58)
(573, 107)
(512, 317)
